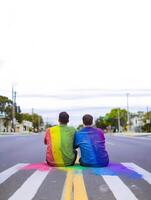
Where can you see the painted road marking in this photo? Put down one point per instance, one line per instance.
(10, 171)
(28, 190)
(118, 188)
(74, 187)
(79, 187)
(146, 175)
(67, 190)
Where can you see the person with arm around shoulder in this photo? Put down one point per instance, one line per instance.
(91, 142)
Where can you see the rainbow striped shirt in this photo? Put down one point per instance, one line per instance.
(59, 140)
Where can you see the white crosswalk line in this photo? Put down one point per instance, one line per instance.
(28, 190)
(10, 171)
(146, 175)
(118, 188)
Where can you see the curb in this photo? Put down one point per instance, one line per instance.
(20, 134)
(131, 134)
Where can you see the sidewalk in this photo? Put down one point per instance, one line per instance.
(132, 134)
(22, 133)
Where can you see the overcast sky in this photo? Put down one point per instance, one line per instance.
(60, 50)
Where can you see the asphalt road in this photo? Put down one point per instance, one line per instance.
(36, 181)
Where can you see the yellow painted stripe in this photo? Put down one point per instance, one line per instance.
(79, 188)
(67, 193)
(56, 144)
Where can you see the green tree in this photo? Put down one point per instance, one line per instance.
(19, 117)
(6, 108)
(101, 123)
(5, 105)
(18, 114)
(147, 122)
(80, 126)
(111, 119)
(27, 117)
(36, 120)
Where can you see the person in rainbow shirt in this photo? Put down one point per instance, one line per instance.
(59, 140)
(91, 142)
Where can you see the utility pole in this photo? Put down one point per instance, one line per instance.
(148, 118)
(128, 117)
(38, 123)
(118, 113)
(13, 108)
(33, 119)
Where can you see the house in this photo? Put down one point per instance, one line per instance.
(3, 127)
(136, 122)
(25, 126)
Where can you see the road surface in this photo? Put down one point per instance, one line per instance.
(24, 174)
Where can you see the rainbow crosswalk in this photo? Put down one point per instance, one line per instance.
(75, 183)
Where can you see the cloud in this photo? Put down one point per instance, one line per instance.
(1, 64)
(90, 94)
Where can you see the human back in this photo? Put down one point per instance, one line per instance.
(59, 140)
(91, 142)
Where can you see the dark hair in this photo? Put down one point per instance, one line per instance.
(87, 119)
(63, 118)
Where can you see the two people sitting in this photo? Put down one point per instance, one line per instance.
(63, 140)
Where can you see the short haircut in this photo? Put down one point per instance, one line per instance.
(63, 118)
(87, 120)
